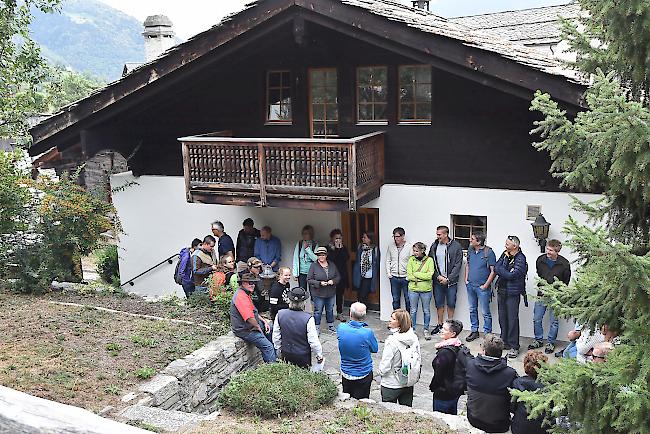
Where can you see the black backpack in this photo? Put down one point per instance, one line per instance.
(458, 384)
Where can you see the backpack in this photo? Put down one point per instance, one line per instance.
(177, 275)
(458, 384)
(409, 373)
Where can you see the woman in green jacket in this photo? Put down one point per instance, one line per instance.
(419, 273)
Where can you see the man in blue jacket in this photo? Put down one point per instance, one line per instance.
(356, 342)
(185, 267)
(511, 269)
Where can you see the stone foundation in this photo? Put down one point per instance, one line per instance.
(193, 383)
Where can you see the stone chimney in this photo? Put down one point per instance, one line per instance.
(420, 4)
(158, 36)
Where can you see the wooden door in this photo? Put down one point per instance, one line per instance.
(323, 103)
(353, 224)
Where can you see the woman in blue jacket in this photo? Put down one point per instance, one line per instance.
(365, 274)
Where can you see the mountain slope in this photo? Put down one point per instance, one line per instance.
(89, 36)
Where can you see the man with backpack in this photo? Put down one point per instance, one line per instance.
(479, 274)
(183, 272)
(449, 365)
(488, 379)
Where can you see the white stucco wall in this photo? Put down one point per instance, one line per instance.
(158, 222)
(420, 209)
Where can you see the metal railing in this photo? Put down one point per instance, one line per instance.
(169, 260)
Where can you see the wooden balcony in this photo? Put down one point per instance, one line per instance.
(321, 174)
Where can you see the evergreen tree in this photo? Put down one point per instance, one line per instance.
(604, 148)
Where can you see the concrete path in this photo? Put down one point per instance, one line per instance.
(422, 398)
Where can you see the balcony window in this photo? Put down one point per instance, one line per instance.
(372, 85)
(415, 93)
(324, 103)
(278, 97)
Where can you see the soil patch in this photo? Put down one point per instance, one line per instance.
(85, 357)
(364, 418)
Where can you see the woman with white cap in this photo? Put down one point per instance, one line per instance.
(322, 279)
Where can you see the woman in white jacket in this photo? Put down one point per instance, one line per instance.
(393, 382)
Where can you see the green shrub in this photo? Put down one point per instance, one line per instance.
(107, 264)
(274, 389)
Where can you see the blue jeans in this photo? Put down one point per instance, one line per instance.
(399, 286)
(449, 407)
(188, 288)
(444, 292)
(571, 351)
(476, 295)
(328, 304)
(538, 318)
(425, 298)
(263, 342)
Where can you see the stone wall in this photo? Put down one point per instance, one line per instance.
(193, 383)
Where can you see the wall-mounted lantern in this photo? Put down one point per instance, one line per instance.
(540, 231)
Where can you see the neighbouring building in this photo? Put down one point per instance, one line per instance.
(358, 114)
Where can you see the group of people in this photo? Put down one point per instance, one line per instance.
(416, 275)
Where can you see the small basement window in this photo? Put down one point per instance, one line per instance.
(372, 89)
(278, 97)
(463, 226)
(415, 93)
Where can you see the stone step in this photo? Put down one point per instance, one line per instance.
(167, 420)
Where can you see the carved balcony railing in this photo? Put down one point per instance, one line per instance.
(325, 174)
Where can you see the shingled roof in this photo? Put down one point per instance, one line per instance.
(259, 11)
(527, 26)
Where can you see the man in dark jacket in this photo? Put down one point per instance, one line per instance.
(246, 241)
(511, 269)
(185, 267)
(448, 257)
(550, 266)
(488, 379)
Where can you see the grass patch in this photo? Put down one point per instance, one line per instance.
(145, 372)
(82, 356)
(275, 389)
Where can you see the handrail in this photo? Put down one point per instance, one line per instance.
(168, 260)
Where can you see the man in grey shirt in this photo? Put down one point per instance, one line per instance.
(448, 256)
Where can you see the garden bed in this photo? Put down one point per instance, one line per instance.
(362, 418)
(87, 357)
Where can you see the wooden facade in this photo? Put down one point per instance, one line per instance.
(325, 174)
(478, 134)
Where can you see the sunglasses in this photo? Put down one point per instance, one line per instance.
(256, 266)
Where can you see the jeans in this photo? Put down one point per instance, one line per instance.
(449, 407)
(571, 351)
(476, 295)
(509, 318)
(340, 294)
(328, 304)
(302, 282)
(358, 389)
(425, 298)
(364, 290)
(538, 318)
(263, 342)
(444, 292)
(403, 395)
(188, 288)
(399, 286)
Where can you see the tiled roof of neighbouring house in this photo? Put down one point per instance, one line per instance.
(526, 26)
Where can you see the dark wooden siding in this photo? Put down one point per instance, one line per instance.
(478, 136)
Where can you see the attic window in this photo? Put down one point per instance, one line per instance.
(415, 94)
(278, 97)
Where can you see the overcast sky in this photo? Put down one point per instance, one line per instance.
(193, 16)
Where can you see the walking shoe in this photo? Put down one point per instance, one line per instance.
(559, 354)
(436, 329)
(472, 336)
(535, 345)
(331, 328)
(513, 353)
(427, 335)
(549, 348)
(340, 318)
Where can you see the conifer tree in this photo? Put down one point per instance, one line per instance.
(604, 148)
